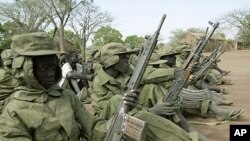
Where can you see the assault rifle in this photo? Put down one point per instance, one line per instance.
(183, 73)
(84, 82)
(216, 50)
(123, 125)
(210, 60)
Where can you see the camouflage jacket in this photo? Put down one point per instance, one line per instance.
(38, 114)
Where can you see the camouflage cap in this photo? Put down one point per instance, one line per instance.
(169, 52)
(155, 59)
(33, 44)
(93, 51)
(6, 57)
(184, 48)
(109, 53)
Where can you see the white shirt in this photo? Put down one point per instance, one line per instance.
(67, 68)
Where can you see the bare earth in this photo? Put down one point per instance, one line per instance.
(239, 64)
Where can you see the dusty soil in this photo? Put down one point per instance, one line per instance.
(239, 64)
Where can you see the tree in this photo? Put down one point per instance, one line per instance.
(27, 15)
(21, 16)
(196, 30)
(238, 22)
(7, 30)
(106, 34)
(86, 19)
(59, 12)
(176, 37)
(134, 41)
(69, 36)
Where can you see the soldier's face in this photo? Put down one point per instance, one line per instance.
(184, 55)
(45, 70)
(171, 59)
(123, 64)
(74, 58)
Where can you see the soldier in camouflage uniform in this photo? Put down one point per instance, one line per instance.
(216, 67)
(108, 85)
(211, 79)
(39, 109)
(6, 80)
(199, 102)
(153, 81)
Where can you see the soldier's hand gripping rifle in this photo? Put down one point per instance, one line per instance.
(125, 126)
(183, 73)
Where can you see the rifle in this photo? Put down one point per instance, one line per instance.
(85, 67)
(217, 49)
(122, 124)
(204, 67)
(183, 73)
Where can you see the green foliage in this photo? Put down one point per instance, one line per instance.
(7, 30)
(177, 36)
(69, 36)
(238, 22)
(106, 34)
(29, 15)
(196, 30)
(134, 41)
(160, 45)
(244, 33)
(229, 44)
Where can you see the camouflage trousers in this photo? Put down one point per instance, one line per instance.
(159, 128)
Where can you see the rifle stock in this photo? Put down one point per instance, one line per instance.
(119, 126)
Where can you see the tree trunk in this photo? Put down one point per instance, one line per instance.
(83, 45)
(61, 39)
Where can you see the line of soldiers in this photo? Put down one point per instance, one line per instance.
(42, 101)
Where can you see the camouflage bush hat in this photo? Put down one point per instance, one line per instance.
(168, 53)
(184, 48)
(155, 59)
(110, 53)
(33, 44)
(6, 57)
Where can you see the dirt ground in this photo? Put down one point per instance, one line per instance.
(239, 64)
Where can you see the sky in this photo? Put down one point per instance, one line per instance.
(141, 17)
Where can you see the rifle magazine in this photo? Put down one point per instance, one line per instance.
(135, 128)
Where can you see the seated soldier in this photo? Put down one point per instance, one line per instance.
(211, 79)
(215, 78)
(7, 83)
(35, 110)
(202, 100)
(112, 77)
(40, 110)
(216, 67)
(94, 66)
(184, 51)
